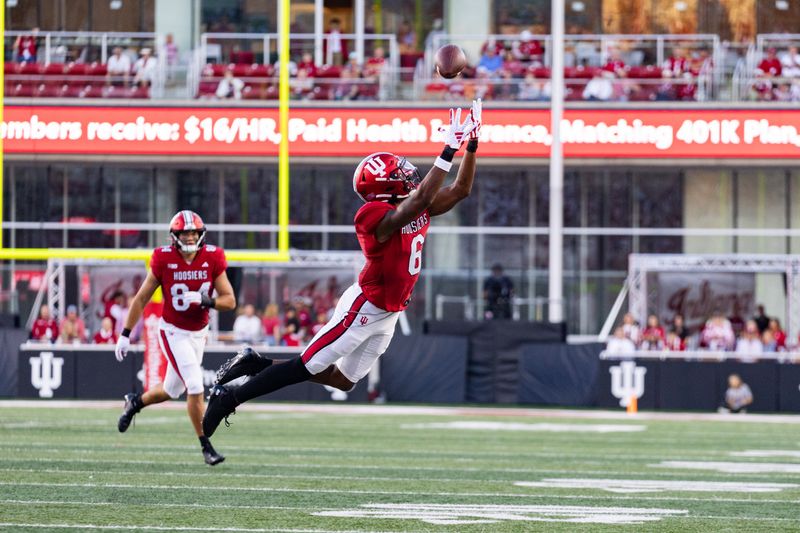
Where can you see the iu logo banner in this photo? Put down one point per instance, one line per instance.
(627, 380)
(46, 373)
(155, 364)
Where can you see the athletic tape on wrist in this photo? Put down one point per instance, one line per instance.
(444, 165)
(472, 145)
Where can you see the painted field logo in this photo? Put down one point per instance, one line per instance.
(627, 380)
(446, 514)
(46, 373)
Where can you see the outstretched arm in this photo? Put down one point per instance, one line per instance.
(426, 193)
(449, 196)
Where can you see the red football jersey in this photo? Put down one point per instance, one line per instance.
(46, 330)
(178, 277)
(393, 266)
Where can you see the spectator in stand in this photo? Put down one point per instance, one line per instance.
(406, 38)
(290, 317)
(615, 64)
(271, 325)
(304, 314)
(25, 47)
(106, 334)
(620, 344)
(679, 327)
(770, 65)
(718, 333)
(631, 328)
(653, 337)
(737, 397)
(115, 308)
(768, 69)
(348, 87)
(528, 49)
(790, 63)
(307, 63)
(761, 319)
(230, 87)
(322, 319)
(375, 64)
(677, 64)
(783, 93)
(290, 336)
(144, 70)
(749, 344)
(247, 327)
(491, 60)
(171, 55)
(118, 68)
(768, 342)
(44, 328)
(334, 46)
(674, 343)
(75, 325)
(533, 89)
(512, 66)
(777, 333)
(600, 88)
(493, 44)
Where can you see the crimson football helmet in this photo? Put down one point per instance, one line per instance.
(385, 177)
(187, 221)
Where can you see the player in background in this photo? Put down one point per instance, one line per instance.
(189, 271)
(391, 227)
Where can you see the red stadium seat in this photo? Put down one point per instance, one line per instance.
(73, 91)
(271, 93)
(138, 92)
(29, 69)
(320, 93)
(50, 90)
(10, 67)
(93, 91)
(207, 88)
(329, 71)
(24, 90)
(53, 69)
(242, 71)
(75, 69)
(262, 71)
(541, 72)
(97, 69)
(251, 92)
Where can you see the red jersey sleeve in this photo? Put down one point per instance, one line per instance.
(157, 264)
(369, 216)
(221, 264)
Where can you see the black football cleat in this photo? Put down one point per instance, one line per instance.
(247, 362)
(211, 456)
(221, 404)
(133, 404)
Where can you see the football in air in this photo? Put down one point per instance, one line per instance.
(450, 61)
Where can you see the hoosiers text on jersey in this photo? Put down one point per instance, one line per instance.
(177, 277)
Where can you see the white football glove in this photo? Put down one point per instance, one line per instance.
(123, 343)
(192, 297)
(457, 132)
(475, 116)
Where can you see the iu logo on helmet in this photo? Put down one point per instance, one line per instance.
(627, 380)
(46, 373)
(376, 166)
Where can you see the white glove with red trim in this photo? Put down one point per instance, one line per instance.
(457, 132)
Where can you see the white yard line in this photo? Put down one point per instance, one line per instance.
(638, 486)
(794, 454)
(205, 529)
(733, 467)
(502, 495)
(344, 466)
(402, 410)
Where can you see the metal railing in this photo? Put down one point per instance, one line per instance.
(267, 43)
(94, 47)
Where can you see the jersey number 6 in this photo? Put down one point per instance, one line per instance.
(415, 260)
(179, 289)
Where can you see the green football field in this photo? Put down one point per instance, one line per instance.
(310, 468)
